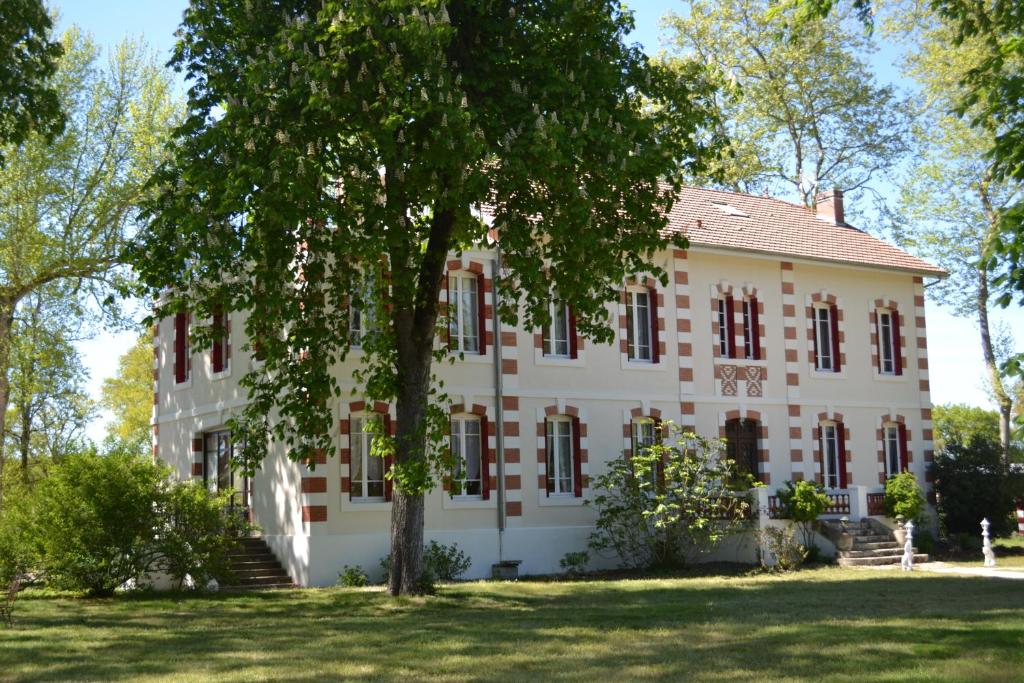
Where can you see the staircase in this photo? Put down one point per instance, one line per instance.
(256, 568)
(873, 545)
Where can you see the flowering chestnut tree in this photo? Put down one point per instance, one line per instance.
(332, 141)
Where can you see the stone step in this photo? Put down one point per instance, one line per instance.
(878, 560)
(263, 579)
(265, 586)
(878, 552)
(242, 565)
(262, 556)
(872, 538)
(260, 572)
(879, 545)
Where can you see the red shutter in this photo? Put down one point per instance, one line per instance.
(573, 345)
(904, 459)
(841, 449)
(897, 348)
(660, 465)
(577, 460)
(180, 346)
(350, 449)
(451, 307)
(217, 353)
(389, 484)
(653, 303)
(730, 326)
(485, 465)
(755, 329)
(834, 315)
(814, 337)
(550, 464)
(481, 317)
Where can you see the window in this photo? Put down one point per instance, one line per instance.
(643, 435)
(218, 474)
(367, 480)
(894, 445)
(641, 326)
(889, 351)
(362, 315)
(726, 328)
(219, 357)
(182, 348)
(559, 333)
(741, 444)
(833, 455)
(464, 319)
(826, 338)
(751, 330)
(469, 473)
(563, 457)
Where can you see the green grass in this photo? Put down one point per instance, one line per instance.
(824, 624)
(1009, 555)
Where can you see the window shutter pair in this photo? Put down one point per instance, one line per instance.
(485, 465)
(755, 329)
(180, 346)
(218, 353)
(389, 484)
(655, 342)
(577, 460)
(841, 452)
(730, 326)
(833, 312)
(904, 458)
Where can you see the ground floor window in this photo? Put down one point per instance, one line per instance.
(560, 455)
(830, 456)
(467, 473)
(367, 470)
(741, 445)
(218, 474)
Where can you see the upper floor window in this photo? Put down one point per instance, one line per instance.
(826, 338)
(562, 440)
(890, 360)
(894, 445)
(726, 328)
(182, 348)
(751, 329)
(468, 471)
(833, 455)
(641, 322)
(362, 312)
(219, 353)
(367, 478)
(559, 333)
(465, 324)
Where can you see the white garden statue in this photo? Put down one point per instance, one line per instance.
(986, 544)
(908, 548)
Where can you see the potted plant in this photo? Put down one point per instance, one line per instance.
(845, 540)
(899, 533)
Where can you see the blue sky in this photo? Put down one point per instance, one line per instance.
(955, 360)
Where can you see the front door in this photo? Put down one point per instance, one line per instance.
(218, 475)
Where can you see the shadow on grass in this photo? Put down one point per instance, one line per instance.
(812, 626)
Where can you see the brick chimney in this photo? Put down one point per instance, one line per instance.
(830, 206)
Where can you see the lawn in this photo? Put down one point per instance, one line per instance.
(1009, 555)
(826, 624)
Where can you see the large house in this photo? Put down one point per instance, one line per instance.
(797, 336)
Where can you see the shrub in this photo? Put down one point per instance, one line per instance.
(803, 502)
(440, 563)
(197, 530)
(353, 577)
(904, 497)
(667, 504)
(971, 484)
(575, 564)
(780, 544)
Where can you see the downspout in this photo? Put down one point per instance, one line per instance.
(499, 419)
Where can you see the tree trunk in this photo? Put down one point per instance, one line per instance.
(6, 323)
(1003, 400)
(25, 438)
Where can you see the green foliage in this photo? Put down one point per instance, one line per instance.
(94, 521)
(803, 502)
(440, 563)
(17, 553)
(964, 425)
(128, 395)
(575, 563)
(904, 498)
(196, 533)
(971, 483)
(28, 60)
(352, 577)
(669, 504)
(779, 549)
(800, 105)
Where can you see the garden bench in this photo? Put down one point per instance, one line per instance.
(7, 602)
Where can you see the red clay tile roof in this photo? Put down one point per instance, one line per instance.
(765, 225)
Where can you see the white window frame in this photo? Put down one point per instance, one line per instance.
(748, 332)
(643, 434)
(460, 283)
(362, 319)
(886, 332)
(459, 441)
(723, 327)
(823, 315)
(636, 352)
(829, 437)
(552, 340)
(891, 449)
(556, 442)
(360, 447)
